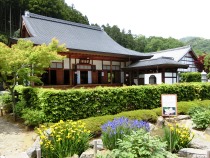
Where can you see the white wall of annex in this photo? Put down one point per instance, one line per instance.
(157, 75)
(66, 63)
(98, 64)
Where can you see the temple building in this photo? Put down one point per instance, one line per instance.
(94, 58)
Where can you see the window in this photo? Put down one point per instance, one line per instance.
(56, 65)
(108, 67)
(170, 77)
(152, 79)
(187, 59)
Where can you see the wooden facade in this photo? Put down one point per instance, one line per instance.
(78, 69)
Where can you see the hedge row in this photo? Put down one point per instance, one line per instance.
(190, 77)
(94, 123)
(77, 104)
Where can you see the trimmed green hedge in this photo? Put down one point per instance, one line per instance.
(190, 77)
(77, 104)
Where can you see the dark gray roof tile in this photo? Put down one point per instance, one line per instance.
(162, 61)
(74, 35)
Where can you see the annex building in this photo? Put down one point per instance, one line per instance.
(94, 58)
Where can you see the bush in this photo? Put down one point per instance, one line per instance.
(116, 129)
(140, 144)
(190, 77)
(195, 110)
(6, 101)
(33, 117)
(19, 108)
(177, 137)
(63, 139)
(201, 119)
(83, 103)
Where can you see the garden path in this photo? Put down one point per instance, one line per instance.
(14, 139)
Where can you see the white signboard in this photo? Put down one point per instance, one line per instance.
(169, 104)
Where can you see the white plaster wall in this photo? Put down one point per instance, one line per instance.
(66, 63)
(106, 63)
(77, 61)
(72, 61)
(98, 64)
(122, 64)
(89, 77)
(115, 63)
(157, 75)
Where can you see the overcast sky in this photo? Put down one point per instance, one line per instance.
(166, 18)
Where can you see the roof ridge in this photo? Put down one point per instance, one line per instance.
(162, 57)
(37, 16)
(166, 50)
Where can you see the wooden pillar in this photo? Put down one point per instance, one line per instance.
(130, 78)
(163, 75)
(137, 77)
(70, 71)
(49, 76)
(111, 71)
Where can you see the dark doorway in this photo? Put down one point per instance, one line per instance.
(84, 77)
(75, 79)
(45, 78)
(66, 77)
(152, 79)
(53, 77)
(99, 77)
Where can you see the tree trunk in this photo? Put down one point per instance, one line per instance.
(13, 103)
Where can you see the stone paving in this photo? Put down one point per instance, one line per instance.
(13, 138)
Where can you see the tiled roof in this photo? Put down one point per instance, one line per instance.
(75, 36)
(159, 62)
(176, 53)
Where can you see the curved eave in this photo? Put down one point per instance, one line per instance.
(157, 66)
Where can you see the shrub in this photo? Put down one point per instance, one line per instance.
(140, 144)
(201, 119)
(33, 117)
(190, 77)
(63, 139)
(116, 129)
(208, 75)
(6, 101)
(19, 108)
(177, 137)
(195, 110)
(83, 103)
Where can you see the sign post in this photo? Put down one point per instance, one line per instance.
(169, 107)
(169, 104)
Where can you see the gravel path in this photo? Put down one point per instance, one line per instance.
(13, 138)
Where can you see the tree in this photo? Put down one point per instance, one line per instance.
(24, 62)
(207, 62)
(200, 62)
